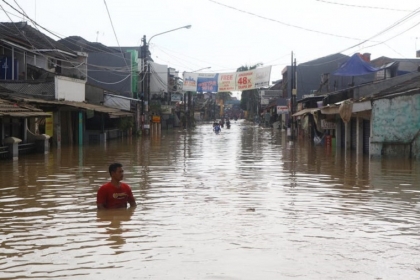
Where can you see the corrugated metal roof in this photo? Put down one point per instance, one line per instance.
(13, 109)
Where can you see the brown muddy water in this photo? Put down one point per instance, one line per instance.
(244, 204)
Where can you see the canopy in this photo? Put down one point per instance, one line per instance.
(355, 66)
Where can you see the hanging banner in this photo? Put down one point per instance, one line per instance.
(244, 80)
(207, 82)
(225, 82)
(262, 77)
(190, 82)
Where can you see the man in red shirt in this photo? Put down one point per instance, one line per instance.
(115, 194)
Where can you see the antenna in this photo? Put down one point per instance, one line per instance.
(97, 34)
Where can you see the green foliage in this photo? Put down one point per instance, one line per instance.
(224, 96)
(125, 123)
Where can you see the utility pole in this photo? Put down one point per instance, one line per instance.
(292, 87)
(143, 55)
(146, 81)
(294, 93)
(189, 121)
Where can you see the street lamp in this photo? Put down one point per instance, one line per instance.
(145, 55)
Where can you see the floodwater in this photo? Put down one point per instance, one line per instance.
(244, 204)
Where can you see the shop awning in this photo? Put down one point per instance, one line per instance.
(112, 112)
(330, 109)
(25, 114)
(305, 111)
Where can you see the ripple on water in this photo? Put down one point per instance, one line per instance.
(244, 204)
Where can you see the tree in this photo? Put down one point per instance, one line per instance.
(249, 98)
(224, 96)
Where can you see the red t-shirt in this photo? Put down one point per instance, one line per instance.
(113, 197)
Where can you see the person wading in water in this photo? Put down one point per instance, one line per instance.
(115, 194)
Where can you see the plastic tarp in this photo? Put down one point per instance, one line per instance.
(355, 66)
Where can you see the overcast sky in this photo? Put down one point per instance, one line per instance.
(223, 38)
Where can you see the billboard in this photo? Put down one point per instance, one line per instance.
(225, 82)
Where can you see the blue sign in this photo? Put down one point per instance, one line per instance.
(207, 83)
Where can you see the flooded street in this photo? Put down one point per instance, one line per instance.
(244, 204)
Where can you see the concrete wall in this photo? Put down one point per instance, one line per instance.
(69, 89)
(94, 95)
(374, 88)
(112, 72)
(396, 126)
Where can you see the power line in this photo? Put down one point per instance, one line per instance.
(105, 68)
(113, 29)
(72, 41)
(284, 23)
(413, 13)
(360, 6)
(383, 42)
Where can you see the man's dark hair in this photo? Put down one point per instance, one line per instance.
(113, 167)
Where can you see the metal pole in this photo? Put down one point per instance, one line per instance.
(294, 97)
(146, 115)
(292, 87)
(146, 55)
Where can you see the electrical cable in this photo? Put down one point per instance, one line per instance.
(360, 6)
(54, 34)
(284, 23)
(416, 11)
(113, 29)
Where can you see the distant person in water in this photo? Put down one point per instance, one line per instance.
(216, 127)
(115, 194)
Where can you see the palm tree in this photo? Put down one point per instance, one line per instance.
(249, 98)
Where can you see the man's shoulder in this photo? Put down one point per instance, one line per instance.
(105, 186)
(124, 185)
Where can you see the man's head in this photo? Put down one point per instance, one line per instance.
(116, 172)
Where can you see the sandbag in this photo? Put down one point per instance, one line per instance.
(345, 110)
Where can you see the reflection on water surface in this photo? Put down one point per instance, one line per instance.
(244, 204)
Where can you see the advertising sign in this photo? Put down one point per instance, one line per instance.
(207, 83)
(166, 109)
(327, 125)
(262, 77)
(175, 97)
(156, 119)
(190, 81)
(281, 110)
(225, 82)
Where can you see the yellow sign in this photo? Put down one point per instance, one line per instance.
(156, 119)
(49, 125)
